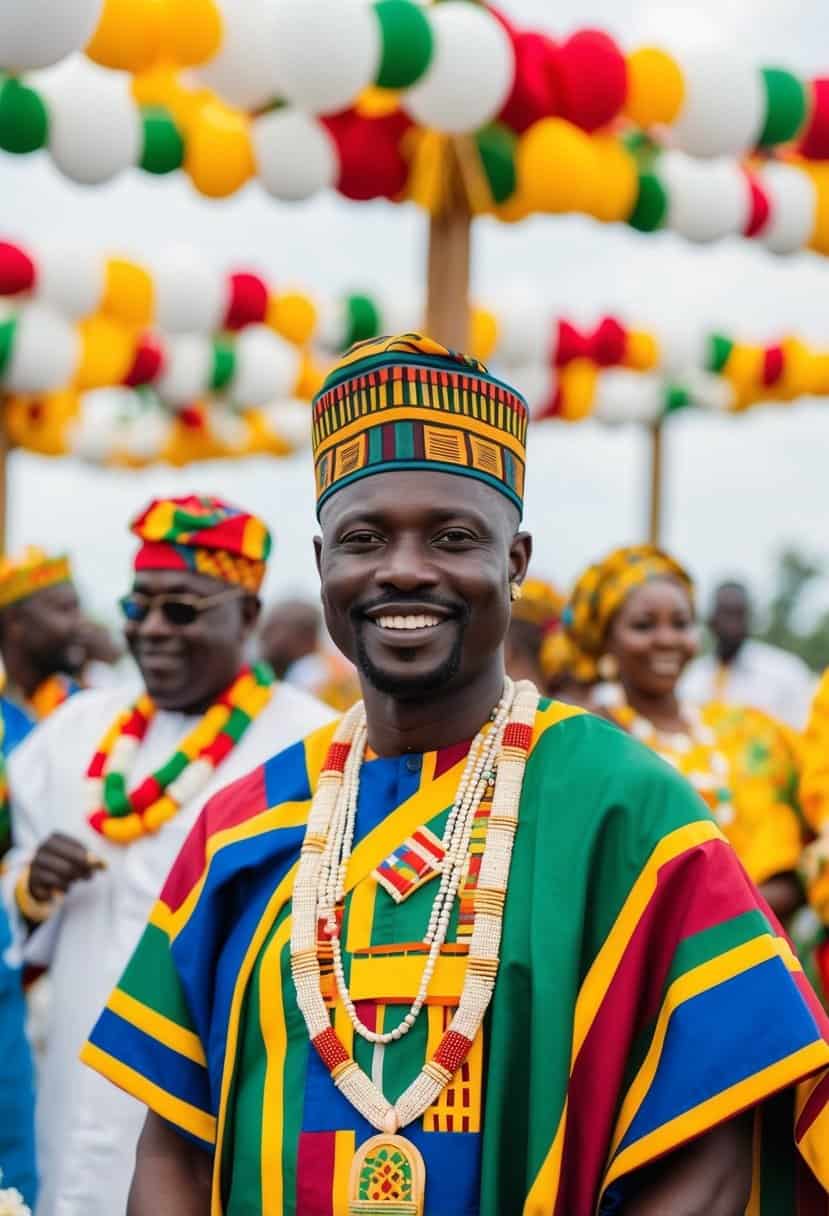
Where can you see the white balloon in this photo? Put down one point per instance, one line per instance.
(708, 390)
(526, 333)
(295, 155)
(626, 396)
(325, 52)
(707, 200)
(188, 365)
(793, 201)
(332, 323)
(724, 103)
(92, 435)
(37, 33)
(45, 352)
(147, 432)
(242, 70)
(682, 345)
(401, 312)
(537, 384)
(69, 279)
(190, 293)
(228, 427)
(471, 72)
(290, 421)
(95, 129)
(266, 367)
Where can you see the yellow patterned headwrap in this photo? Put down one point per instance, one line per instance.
(406, 402)
(33, 570)
(599, 594)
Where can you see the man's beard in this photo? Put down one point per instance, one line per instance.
(407, 688)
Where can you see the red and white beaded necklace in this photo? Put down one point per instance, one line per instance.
(498, 755)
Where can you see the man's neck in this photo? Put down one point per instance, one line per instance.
(396, 727)
(728, 654)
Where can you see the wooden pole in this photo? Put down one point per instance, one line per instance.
(450, 230)
(657, 468)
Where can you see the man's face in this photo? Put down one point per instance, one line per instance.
(731, 619)
(48, 628)
(185, 667)
(415, 571)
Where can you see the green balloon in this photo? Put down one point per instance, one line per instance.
(677, 397)
(7, 331)
(362, 319)
(24, 123)
(496, 148)
(407, 43)
(719, 348)
(163, 150)
(224, 365)
(651, 204)
(785, 107)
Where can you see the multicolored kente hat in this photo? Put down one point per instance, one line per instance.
(32, 571)
(203, 535)
(406, 402)
(601, 590)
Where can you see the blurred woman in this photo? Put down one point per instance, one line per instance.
(631, 620)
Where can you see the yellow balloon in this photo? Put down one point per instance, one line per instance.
(820, 375)
(617, 183)
(263, 437)
(107, 350)
(819, 174)
(557, 167)
(641, 351)
(578, 382)
(797, 370)
(484, 337)
(375, 102)
(656, 89)
(293, 315)
(193, 31)
(129, 34)
(39, 421)
(310, 378)
(744, 369)
(219, 156)
(514, 210)
(128, 292)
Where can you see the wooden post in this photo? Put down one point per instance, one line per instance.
(655, 503)
(4, 475)
(447, 292)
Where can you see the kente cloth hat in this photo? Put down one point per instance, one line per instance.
(406, 402)
(33, 570)
(203, 535)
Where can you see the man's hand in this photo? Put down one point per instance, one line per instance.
(59, 862)
(172, 1177)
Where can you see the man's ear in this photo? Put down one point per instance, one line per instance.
(318, 553)
(520, 552)
(251, 611)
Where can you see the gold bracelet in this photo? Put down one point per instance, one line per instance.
(34, 910)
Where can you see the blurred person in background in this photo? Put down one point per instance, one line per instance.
(291, 641)
(536, 614)
(632, 617)
(104, 794)
(744, 671)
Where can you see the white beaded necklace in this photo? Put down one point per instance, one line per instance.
(498, 756)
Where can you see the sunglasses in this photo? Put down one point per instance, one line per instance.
(177, 610)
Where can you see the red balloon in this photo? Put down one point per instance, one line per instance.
(760, 205)
(372, 164)
(815, 143)
(592, 79)
(570, 345)
(534, 92)
(248, 301)
(147, 362)
(608, 343)
(17, 270)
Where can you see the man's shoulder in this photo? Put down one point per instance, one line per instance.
(285, 780)
(301, 708)
(588, 766)
(773, 660)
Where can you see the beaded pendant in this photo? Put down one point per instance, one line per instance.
(388, 1177)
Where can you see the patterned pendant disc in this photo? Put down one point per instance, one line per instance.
(388, 1177)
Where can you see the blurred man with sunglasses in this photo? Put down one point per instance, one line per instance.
(105, 794)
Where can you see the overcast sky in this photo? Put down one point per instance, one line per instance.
(738, 489)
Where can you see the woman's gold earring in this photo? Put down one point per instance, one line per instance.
(515, 591)
(608, 668)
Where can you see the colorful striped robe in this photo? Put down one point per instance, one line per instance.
(644, 994)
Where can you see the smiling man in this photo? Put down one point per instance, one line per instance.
(104, 795)
(469, 951)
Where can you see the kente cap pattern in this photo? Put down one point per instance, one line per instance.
(203, 535)
(406, 402)
(31, 571)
